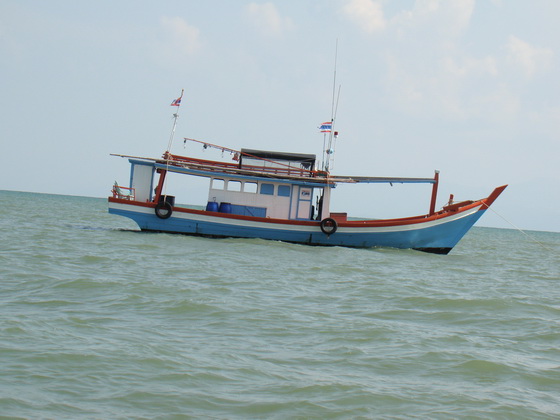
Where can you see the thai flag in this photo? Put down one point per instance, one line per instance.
(326, 127)
(176, 102)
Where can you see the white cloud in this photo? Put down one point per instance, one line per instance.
(180, 36)
(440, 22)
(469, 66)
(458, 87)
(530, 58)
(267, 19)
(429, 73)
(458, 14)
(403, 87)
(367, 14)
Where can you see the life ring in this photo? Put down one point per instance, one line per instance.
(164, 210)
(329, 226)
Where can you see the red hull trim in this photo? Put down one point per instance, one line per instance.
(483, 204)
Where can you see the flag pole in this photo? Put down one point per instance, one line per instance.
(177, 103)
(167, 154)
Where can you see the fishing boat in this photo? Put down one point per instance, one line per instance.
(284, 197)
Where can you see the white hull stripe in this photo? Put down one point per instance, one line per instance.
(293, 227)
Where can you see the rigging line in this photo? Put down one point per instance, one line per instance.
(333, 132)
(517, 228)
(168, 153)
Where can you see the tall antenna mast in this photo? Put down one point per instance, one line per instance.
(330, 151)
(334, 79)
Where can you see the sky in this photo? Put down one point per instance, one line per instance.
(466, 87)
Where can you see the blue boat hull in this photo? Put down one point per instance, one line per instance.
(436, 236)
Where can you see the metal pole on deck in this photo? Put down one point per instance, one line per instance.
(177, 103)
(161, 186)
(434, 193)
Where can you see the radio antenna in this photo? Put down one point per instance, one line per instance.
(334, 107)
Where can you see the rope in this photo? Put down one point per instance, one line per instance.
(519, 229)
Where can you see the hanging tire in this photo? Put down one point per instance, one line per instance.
(164, 210)
(329, 226)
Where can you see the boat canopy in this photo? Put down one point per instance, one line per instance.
(252, 157)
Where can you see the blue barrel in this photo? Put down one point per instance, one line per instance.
(212, 206)
(225, 208)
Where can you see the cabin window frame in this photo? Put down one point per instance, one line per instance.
(284, 191)
(237, 185)
(267, 189)
(216, 182)
(253, 189)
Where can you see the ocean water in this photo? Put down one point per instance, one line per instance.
(102, 321)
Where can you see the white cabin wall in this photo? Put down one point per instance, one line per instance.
(326, 203)
(302, 201)
(276, 206)
(294, 203)
(305, 200)
(141, 179)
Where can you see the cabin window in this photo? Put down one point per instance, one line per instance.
(267, 189)
(284, 190)
(250, 187)
(218, 184)
(234, 185)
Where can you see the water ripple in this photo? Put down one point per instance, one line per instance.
(101, 321)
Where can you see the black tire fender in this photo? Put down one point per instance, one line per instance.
(164, 210)
(329, 226)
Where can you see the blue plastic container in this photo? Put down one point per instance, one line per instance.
(212, 206)
(225, 208)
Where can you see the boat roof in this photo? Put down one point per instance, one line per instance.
(283, 156)
(211, 168)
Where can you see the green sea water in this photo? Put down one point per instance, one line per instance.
(100, 321)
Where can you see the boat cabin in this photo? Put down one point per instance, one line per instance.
(261, 184)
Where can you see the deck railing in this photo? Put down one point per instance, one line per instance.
(124, 193)
(177, 160)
